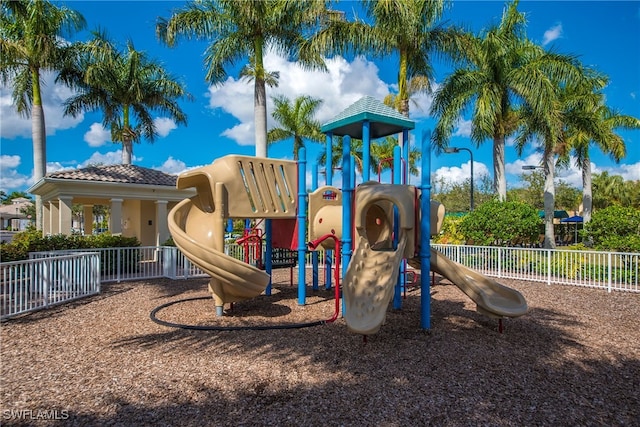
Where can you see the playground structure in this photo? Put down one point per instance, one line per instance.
(392, 223)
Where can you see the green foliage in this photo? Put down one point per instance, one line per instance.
(498, 223)
(169, 242)
(450, 233)
(614, 228)
(31, 240)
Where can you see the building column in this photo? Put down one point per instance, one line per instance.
(87, 214)
(54, 218)
(46, 219)
(162, 227)
(64, 218)
(115, 219)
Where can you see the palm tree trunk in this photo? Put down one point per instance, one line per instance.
(499, 178)
(549, 200)
(39, 137)
(127, 151)
(260, 101)
(587, 191)
(260, 118)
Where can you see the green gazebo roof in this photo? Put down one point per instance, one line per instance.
(383, 120)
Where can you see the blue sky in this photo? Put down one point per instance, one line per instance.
(604, 34)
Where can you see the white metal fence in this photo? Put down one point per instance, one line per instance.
(38, 283)
(59, 276)
(606, 270)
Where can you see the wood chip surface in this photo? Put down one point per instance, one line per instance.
(574, 359)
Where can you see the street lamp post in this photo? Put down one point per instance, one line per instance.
(451, 150)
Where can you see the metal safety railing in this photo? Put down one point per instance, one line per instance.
(39, 283)
(613, 271)
(59, 276)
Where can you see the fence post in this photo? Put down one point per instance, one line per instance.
(499, 261)
(96, 268)
(548, 266)
(46, 278)
(609, 271)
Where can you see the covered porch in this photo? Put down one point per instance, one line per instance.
(138, 200)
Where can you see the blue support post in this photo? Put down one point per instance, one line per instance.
(405, 156)
(397, 179)
(314, 254)
(302, 225)
(425, 232)
(328, 169)
(328, 165)
(268, 253)
(366, 150)
(347, 192)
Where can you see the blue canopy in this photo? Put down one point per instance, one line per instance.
(575, 218)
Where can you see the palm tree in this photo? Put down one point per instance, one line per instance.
(380, 151)
(383, 150)
(404, 28)
(502, 71)
(246, 29)
(32, 42)
(127, 86)
(415, 86)
(556, 127)
(355, 153)
(608, 190)
(601, 123)
(296, 121)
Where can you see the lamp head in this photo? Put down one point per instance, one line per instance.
(530, 167)
(451, 150)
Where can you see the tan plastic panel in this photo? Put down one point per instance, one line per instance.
(232, 280)
(257, 187)
(385, 196)
(492, 298)
(368, 284)
(325, 215)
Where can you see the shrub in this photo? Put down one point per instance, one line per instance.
(498, 223)
(614, 228)
(450, 233)
(32, 240)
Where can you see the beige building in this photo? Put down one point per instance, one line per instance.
(139, 200)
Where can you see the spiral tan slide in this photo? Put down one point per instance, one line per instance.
(231, 187)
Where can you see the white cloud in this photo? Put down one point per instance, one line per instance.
(459, 174)
(108, 158)
(515, 168)
(628, 172)
(343, 84)
(97, 135)
(463, 128)
(172, 166)
(9, 162)
(10, 179)
(552, 34)
(53, 97)
(242, 133)
(164, 126)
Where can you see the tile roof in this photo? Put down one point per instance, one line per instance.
(127, 174)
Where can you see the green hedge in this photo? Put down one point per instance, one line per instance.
(33, 241)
